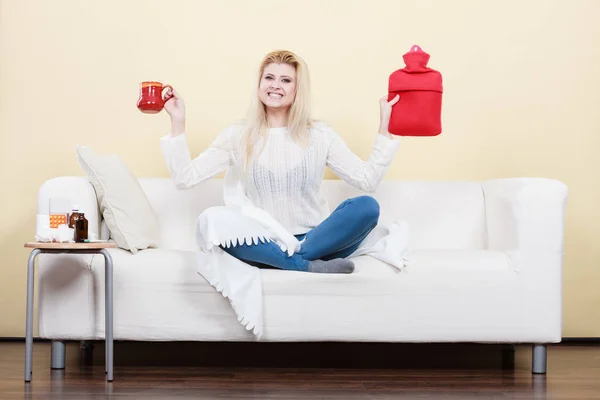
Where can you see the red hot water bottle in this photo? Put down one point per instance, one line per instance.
(419, 110)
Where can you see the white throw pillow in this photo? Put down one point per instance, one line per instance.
(128, 214)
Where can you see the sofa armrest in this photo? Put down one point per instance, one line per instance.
(79, 190)
(525, 214)
(525, 220)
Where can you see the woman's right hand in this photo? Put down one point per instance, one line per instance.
(175, 107)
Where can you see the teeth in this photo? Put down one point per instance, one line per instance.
(275, 96)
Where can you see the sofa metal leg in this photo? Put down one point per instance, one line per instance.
(57, 354)
(539, 359)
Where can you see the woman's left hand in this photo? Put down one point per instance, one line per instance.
(385, 108)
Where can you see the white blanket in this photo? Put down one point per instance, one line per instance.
(240, 282)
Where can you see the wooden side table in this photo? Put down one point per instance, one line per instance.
(76, 248)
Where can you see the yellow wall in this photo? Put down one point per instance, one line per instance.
(522, 97)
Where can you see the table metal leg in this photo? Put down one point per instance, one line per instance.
(108, 275)
(108, 316)
(29, 316)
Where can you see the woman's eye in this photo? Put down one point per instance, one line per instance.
(287, 80)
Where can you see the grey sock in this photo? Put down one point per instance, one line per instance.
(335, 266)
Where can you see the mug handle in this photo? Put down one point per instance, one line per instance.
(165, 99)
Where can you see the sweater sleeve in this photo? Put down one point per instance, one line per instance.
(187, 172)
(364, 175)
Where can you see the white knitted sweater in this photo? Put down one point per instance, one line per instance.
(285, 179)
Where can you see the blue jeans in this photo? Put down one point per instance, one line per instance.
(338, 236)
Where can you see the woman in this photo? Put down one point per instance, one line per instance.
(277, 159)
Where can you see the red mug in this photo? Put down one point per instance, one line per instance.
(151, 100)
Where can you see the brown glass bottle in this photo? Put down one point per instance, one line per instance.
(81, 228)
(73, 217)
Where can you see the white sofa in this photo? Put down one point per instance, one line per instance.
(484, 265)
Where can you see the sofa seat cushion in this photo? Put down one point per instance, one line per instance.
(439, 296)
(458, 260)
(156, 270)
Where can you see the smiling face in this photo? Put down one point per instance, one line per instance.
(277, 88)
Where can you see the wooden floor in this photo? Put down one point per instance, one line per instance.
(573, 373)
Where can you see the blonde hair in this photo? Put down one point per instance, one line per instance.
(299, 119)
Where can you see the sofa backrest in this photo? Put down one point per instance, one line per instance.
(442, 215)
